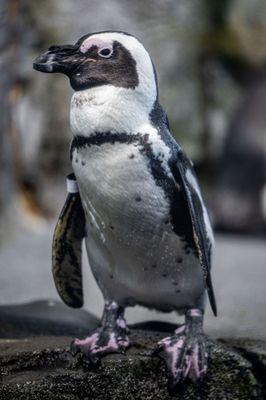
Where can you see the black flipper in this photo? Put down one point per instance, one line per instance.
(194, 202)
(67, 248)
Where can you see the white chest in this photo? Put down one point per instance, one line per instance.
(132, 249)
(118, 190)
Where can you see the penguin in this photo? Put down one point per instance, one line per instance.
(135, 200)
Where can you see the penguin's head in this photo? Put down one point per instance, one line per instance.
(113, 78)
(104, 58)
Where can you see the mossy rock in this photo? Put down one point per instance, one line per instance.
(43, 368)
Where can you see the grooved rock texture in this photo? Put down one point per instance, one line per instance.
(42, 368)
(255, 352)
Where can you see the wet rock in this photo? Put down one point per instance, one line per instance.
(43, 368)
(44, 318)
(255, 352)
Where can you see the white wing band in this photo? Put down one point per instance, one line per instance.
(72, 186)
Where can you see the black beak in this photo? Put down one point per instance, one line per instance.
(58, 59)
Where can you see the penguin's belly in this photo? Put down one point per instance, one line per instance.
(134, 254)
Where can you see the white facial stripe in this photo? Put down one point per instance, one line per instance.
(192, 180)
(140, 55)
(115, 109)
(90, 42)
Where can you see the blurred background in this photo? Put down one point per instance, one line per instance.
(210, 57)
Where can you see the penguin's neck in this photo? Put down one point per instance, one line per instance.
(109, 109)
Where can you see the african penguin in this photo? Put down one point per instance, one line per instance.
(135, 199)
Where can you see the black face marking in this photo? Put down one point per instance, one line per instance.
(164, 275)
(118, 70)
(112, 227)
(93, 67)
(154, 266)
(138, 198)
(179, 260)
(131, 156)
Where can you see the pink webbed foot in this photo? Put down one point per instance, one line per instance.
(110, 337)
(185, 352)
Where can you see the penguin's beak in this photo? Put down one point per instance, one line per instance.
(58, 59)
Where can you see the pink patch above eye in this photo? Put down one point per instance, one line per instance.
(90, 42)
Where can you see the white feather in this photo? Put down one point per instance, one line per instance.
(192, 180)
(114, 109)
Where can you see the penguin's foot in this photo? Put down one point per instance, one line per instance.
(100, 342)
(110, 337)
(185, 352)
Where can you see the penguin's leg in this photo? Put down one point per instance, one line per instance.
(111, 336)
(185, 352)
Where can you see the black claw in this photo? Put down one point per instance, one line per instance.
(174, 385)
(157, 351)
(122, 349)
(176, 382)
(74, 349)
(93, 359)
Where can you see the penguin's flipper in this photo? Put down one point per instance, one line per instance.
(67, 248)
(185, 177)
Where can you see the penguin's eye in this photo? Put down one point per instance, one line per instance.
(105, 52)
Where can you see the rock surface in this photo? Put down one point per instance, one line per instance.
(43, 368)
(255, 352)
(42, 318)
